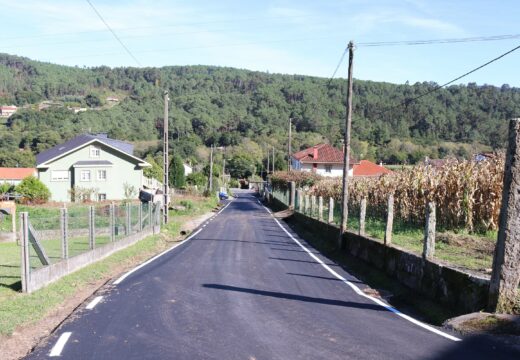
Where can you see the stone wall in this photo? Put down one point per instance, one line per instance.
(462, 291)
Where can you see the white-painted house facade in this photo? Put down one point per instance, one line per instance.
(322, 159)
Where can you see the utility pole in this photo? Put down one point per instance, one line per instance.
(289, 164)
(210, 186)
(273, 159)
(346, 152)
(268, 163)
(165, 158)
(224, 170)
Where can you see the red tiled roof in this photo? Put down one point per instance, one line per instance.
(8, 107)
(326, 154)
(368, 168)
(16, 173)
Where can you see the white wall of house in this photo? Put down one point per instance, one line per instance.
(332, 170)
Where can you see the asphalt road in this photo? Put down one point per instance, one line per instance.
(243, 288)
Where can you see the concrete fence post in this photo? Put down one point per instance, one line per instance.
(313, 206)
(362, 216)
(140, 210)
(503, 287)
(128, 219)
(64, 226)
(307, 204)
(150, 221)
(320, 208)
(429, 232)
(91, 227)
(292, 194)
(112, 220)
(24, 239)
(389, 220)
(331, 210)
(300, 201)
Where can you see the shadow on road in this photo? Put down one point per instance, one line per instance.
(479, 347)
(303, 298)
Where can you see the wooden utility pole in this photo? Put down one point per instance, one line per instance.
(346, 153)
(289, 164)
(166, 164)
(503, 287)
(210, 184)
(223, 170)
(268, 163)
(273, 159)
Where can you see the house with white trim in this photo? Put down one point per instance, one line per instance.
(322, 159)
(95, 166)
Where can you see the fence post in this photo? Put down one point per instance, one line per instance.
(128, 223)
(24, 239)
(320, 208)
(503, 287)
(112, 215)
(140, 216)
(300, 201)
(150, 222)
(389, 220)
(429, 232)
(313, 205)
(91, 228)
(64, 224)
(307, 204)
(362, 216)
(292, 194)
(331, 210)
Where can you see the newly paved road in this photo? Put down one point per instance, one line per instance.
(242, 288)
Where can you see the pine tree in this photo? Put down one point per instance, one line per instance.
(176, 175)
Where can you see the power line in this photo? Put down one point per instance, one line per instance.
(113, 33)
(337, 67)
(439, 41)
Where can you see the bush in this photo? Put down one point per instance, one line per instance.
(176, 175)
(33, 190)
(197, 178)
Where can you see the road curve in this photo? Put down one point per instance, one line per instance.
(243, 288)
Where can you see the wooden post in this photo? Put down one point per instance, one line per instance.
(389, 220)
(503, 287)
(313, 206)
(362, 216)
(24, 239)
(429, 232)
(112, 222)
(331, 210)
(140, 216)
(91, 228)
(64, 222)
(300, 201)
(320, 208)
(150, 222)
(307, 204)
(292, 194)
(128, 219)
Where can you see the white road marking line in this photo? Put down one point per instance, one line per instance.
(361, 293)
(118, 281)
(94, 302)
(60, 344)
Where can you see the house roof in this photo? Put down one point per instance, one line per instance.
(16, 173)
(368, 168)
(79, 141)
(325, 154)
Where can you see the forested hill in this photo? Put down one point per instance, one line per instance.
(224, 106)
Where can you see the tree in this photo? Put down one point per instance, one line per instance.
(176, 175)
(93, 100)
(241, 166)
(155, 171)
(33, 190)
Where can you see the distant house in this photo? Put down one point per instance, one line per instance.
(322, 159)
(91, 162)
(484, 156)
(112, 99)
(367, 168)
(187, 169)
(6, 111)
(77, 109)
(14, 176)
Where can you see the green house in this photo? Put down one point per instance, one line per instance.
(91, 167)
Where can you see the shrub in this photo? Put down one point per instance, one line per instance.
(33, 190)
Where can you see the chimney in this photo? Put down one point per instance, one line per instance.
(315, 153)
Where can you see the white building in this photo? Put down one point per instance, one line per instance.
(323, 159)
(6, 111)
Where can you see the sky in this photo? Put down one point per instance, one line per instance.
(279, 36)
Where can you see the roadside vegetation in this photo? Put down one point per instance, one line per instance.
(19, 309)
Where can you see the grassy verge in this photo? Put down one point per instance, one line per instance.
(402, 297)
(17, 309)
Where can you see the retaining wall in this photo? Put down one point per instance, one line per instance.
(463, 292)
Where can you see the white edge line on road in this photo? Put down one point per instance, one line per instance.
(94, 302)
(361, 293)
(118, 281)
(60, 344)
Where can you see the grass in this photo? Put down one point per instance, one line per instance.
(17, 309)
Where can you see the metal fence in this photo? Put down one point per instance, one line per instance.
(51, 236)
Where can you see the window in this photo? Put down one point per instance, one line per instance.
(59, 175)
(328, 168)
(85, 175)
(95, 152)
(102, 197)
(102, 175)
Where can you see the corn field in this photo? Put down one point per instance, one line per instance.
(467, 193)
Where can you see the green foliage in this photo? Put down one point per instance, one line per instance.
(33, 190)
(176, 175)
(241, 166)
(197, 178)
(156, 171)
(5, 188)
(187, 204)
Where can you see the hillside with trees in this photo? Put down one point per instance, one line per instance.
(245, 111)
